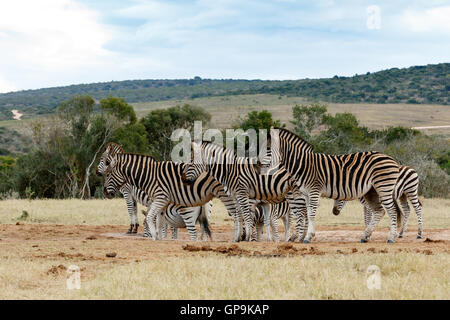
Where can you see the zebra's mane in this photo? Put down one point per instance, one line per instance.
(115, 145)
(295, 137)
(137, 154)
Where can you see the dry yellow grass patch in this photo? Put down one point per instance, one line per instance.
(101, 212)
(403, 276)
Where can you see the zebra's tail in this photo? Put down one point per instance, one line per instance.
(399, 214)
(203, 219)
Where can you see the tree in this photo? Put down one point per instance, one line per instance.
(160, 124)
(307, 118)
(343, 134)
(258, 120)
(118, 108)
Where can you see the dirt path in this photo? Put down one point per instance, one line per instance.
(95, 243)
(16, 114)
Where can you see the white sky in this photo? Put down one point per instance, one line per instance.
(60, 42)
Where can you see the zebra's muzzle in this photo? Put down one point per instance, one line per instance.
(336, 211)
(108, 194)
(98, 173)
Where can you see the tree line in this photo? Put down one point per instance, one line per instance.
(418, 84)
(64, 149)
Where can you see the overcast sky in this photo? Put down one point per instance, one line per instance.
(60, 42)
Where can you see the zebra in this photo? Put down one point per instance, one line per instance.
(267, 214)
(406, 188)
(242, 179)
(126, 190)
(132, 196)
(339, 177)
(185, 217)
(161, 181)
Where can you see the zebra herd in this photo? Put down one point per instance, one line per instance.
(179, 195)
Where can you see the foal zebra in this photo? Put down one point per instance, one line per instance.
(241, 179)
(266, 215)
(340, 177)
(161, 181)
(184, 217)
(406, 188)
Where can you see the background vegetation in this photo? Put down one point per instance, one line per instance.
(414, 85)
(59, 158)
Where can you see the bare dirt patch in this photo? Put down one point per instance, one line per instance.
(109, 243)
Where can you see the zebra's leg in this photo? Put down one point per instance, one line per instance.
(373, 205)
(259, 232)
(298, 209)
(237, 217)
(242, 199)
(393, 210)
(287, 226)
(274, 226)
(131, 207)
(174, 232)
(414, 198)
(136, 220)
(155, 209)
(164, 231)
(190, 226)
(267, 211)
(367, 212)
(312, 208)
(406, 211)
(418, 208)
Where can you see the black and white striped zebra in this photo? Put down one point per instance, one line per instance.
(241, 179)
(111, 149)
(161, 181)
(177, 217)
(340, 177)
(406, 188)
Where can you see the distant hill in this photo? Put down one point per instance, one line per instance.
(420, 84)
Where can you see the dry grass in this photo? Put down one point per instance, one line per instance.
(109, 212)
(225, 111)
(309, 277)
(330, 276)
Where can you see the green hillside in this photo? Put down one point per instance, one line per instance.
(420, 84)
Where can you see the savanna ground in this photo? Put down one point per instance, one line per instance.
(37, 248)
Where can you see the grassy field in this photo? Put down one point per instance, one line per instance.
(226, 111)
(36, 250)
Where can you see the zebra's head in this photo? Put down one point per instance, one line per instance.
(111, 149)
(196, 166)
(114, 178)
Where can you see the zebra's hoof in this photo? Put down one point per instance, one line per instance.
(306, 241)
(419, 236)
(364, 240)
(390, 241)
(400, 236)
